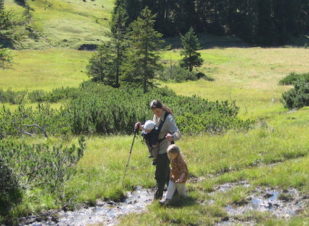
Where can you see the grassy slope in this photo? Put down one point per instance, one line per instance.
(67, 23)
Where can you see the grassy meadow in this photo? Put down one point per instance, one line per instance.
(272, 154)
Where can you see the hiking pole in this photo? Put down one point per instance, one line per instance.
(126, 169)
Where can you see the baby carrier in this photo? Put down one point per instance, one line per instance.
(152, 138)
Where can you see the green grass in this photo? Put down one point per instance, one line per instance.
(45, 69)
(64, 23)
(249, 76)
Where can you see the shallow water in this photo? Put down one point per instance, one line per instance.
(283, 204)
(104, 213)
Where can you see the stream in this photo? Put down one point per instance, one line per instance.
(104, 213)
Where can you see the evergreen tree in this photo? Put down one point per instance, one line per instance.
(1, 5)
(101, 66)
(118, 35)
(190, 44)
(142, 60)
(105, 65)
(11, 30)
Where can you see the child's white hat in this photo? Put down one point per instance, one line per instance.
(149, 125)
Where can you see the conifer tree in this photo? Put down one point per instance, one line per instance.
(105, 65)
(101, 66)
(142, 60)
(1, 5)
(191, 58)
(118, 35)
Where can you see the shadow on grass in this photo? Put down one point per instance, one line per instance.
(179, 202)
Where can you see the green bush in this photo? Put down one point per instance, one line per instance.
(13, 97)
(177, 74)
(293, 77)
(41, 165)
(54, 96)
(101, 109)
(31, 121)
(10, 190)
(210, 122)
(26, 168)
(298, 96)
(95, 108)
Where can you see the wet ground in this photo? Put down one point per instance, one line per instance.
(104, 213)
(282, 204)
(279, 203)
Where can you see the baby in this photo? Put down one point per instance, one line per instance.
(148, 132)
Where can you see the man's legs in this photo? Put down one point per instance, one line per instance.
(162, 174)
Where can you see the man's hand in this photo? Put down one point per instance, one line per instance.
(169, 137)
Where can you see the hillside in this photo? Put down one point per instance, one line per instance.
(67, 23)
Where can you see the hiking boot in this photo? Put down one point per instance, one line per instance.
(158, 195)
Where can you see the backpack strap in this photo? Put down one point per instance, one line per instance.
(161, 125)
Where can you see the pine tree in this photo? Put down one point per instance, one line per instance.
(101, 66)
(118, 35)
(190, 44)
(1, 5)
(142, 60)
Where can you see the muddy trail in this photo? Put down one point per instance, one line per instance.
(283, 204)
(104, 213)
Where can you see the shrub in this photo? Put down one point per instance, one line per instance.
(298, 96)
(101, 109)
(13, 97)
(293, 77)
(41, 165)
(30, 121)
(177, 74)
(37, 96)
(54, 96)
(10, 191)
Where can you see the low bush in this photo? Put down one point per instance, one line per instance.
(54, 96)
(177, 74)
(31, 121)
(293, 77)
(298, 96)
(102, 109)
(13, 97)
(25, 168)
(96, 108)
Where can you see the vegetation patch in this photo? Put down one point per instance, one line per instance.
(292, 78)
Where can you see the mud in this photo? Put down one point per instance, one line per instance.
(104, 213)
